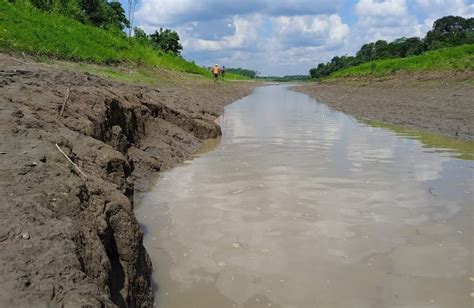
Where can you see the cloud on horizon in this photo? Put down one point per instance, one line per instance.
(289, 37)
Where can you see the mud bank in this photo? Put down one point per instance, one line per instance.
(73, 240)
(439, 103)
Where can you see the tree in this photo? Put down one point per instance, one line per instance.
(140, 36)
(242, 71)
(447, 31)
(414, 46)
(366, 52)
(116, 16)
(381, 50)
(450, 31)
(166, 40)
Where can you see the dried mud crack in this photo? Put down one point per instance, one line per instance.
(73, 240)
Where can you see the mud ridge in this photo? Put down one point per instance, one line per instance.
(70, 240)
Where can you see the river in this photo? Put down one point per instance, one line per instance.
(304, 206)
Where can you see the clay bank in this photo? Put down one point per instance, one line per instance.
(74, 148)
(304, 206)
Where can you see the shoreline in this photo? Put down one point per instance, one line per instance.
(437, 104)
(73, 240)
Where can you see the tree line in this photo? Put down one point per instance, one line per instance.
(111, 16)
(448, 31)
(243, 72)
(286, 78)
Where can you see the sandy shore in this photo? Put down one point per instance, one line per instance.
(440, 104)
(70, 237)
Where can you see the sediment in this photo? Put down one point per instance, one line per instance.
(436, 102)
(72, 240)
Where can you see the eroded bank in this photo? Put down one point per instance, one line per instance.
(73, 240)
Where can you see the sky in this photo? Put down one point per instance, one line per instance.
(288, 37)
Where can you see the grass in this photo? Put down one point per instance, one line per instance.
(47, 35)
(459, 58)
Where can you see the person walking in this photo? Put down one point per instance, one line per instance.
(215, 71)
(223, 72)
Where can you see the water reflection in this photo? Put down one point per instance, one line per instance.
(431, 142)
(300, 206)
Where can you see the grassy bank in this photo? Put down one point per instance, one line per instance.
(46, 35)
(459, 58)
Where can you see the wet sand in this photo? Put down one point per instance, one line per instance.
(435, 103)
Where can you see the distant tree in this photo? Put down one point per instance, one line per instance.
(447, 31)
(366, 52)
(381, 50)
(104, 14)
(116, 16)
(242, 71)
(414, 46)
(140, 35)
(166, 40)
(450, 31)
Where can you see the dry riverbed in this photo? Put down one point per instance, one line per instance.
(68, 235)
(439, 103)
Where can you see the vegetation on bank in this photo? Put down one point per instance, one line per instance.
(243, 72)
(252, 74)
(381, 57)
(455, 58)
(286, 78)
(24, 28)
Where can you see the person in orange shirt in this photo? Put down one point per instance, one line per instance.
(215, 71)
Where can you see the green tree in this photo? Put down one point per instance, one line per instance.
(381, 50)
(166, 40)
(116, 16)
(242, 71)
(366, 52)
(450, 31)
(140, 36)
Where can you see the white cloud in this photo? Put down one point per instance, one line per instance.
(303, 31)
(388, 8)
(387, 20)
(176, 12)
(244, 37)
(439, 8)
(289, 37)
(435, 9)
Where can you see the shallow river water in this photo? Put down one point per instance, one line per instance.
(303, 206)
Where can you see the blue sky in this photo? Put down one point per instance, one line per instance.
(278, 37)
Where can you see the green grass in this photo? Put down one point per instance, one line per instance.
(459, 58)
(47, 35)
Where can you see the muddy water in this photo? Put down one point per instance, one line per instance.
(302, 206)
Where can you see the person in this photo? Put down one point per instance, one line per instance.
(223, 72)
(215, 71)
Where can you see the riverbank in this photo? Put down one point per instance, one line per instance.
(68, 234)
(438, 102)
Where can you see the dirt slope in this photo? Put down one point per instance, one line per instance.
(73, 240)
(441, 103)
